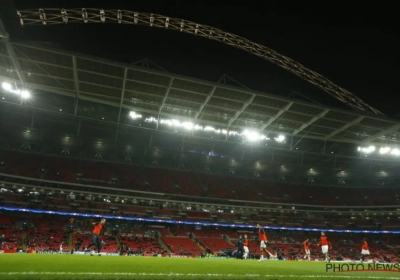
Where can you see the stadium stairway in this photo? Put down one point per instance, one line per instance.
(163, 245)
(228, 239)
(24, 238)
(118, 243)
(70, 241)
(198, 243)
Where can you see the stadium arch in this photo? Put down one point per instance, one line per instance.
(52, 16)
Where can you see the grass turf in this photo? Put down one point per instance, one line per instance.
(26, 266)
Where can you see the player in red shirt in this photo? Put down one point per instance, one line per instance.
(245, 247)
(364, 250)
(325, 246)
(263, 243)
(306, 245)
(96, 236)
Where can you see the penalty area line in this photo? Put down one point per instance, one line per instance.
(33, 273)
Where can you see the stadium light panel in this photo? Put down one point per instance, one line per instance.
(6, 86)
(384, 150)
(174, 122)
(9, 88)
(280, 139)
(151, 120)
(188, 125)
(367, 150)
(134, 115)
(167, 122)
(25, 94)
(395, 152)
(252, 136)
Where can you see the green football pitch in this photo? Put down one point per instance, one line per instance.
(27, 266)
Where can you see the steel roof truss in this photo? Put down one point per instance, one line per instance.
(163, 102)
(281, 111)
(310, 122)
(382, 133)
(343, 128)
(210, 95)
(238, 113)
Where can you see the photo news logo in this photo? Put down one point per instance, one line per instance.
(359, 267)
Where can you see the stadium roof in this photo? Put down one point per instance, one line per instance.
(82, 105)
(59, 75)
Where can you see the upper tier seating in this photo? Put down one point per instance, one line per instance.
(186, 182)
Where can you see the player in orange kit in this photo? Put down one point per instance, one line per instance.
(96, 236)
(263, 243)
(307, 250)
(325, 245)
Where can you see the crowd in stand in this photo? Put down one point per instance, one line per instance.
(143, 239)
(50, 234)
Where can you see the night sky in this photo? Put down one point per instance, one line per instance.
(355, 47)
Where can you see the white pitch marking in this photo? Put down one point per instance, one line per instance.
(196, 275)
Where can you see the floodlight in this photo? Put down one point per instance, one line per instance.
(371, 149)
(384, 150)
(25, 94)
(251, 135)
(280, 138)
(368, 150)
(395, 152)
(167, 122)
(6, 86)
(188, 125)
(151, 120)
(134, 115)
(175, 122)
